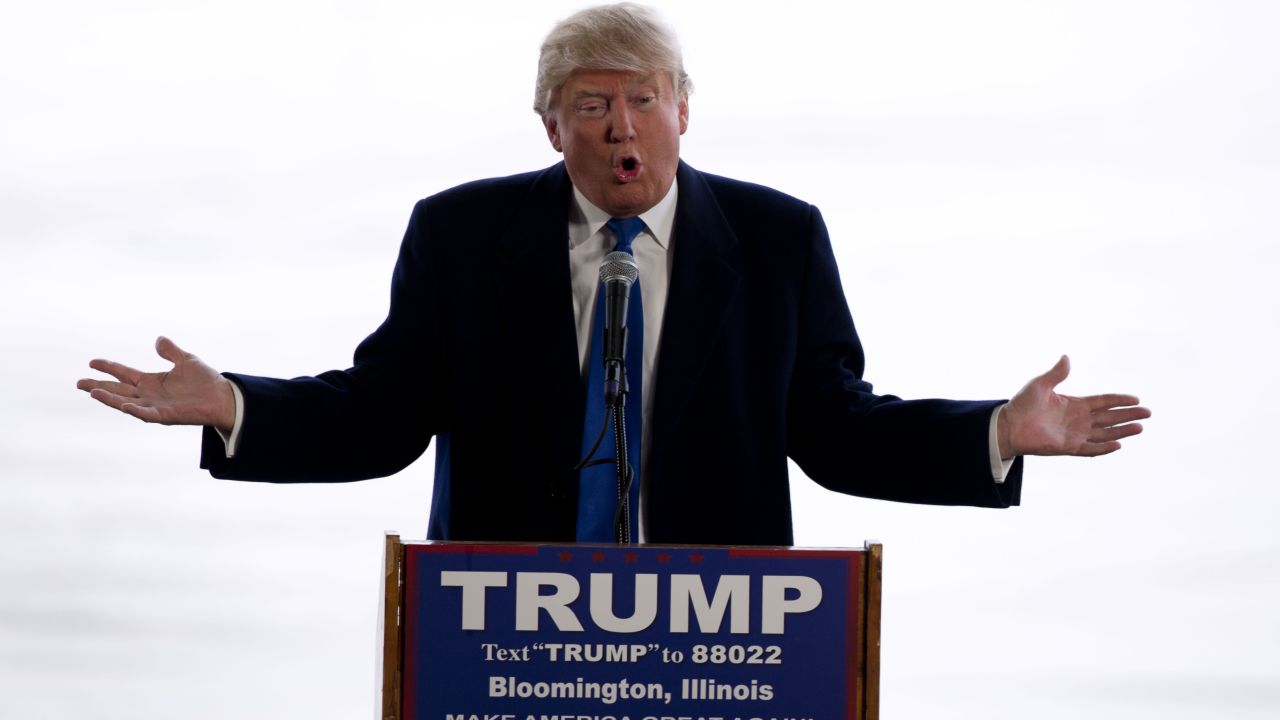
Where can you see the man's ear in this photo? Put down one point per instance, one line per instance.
(683, 109)
(553, 131)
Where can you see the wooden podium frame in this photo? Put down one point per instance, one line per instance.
(391, 631)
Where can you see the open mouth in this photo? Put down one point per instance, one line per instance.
(627, 169)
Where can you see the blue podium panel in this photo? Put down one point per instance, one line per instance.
(585, 632)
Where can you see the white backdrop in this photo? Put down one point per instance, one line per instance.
(1004, 182)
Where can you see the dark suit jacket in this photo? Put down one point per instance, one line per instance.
(759, 361)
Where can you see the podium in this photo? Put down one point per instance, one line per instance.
(507, 631)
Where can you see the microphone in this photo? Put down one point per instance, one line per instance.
(618, 271)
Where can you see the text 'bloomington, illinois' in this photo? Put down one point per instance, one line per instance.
(625, 689)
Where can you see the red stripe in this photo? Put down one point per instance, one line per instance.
(748, 552)
(449, 548)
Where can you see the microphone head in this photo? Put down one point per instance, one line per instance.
(619, 266)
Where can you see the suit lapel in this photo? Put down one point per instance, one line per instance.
(537, 298)
(704, 278)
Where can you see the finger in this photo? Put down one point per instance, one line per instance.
(116, 388)
(1110, 400)
(1057, 373)
(142, 412)
(111, 399)
(1096, 449)
(1120, 415)
(170, 351)
(120, 372)
(1109, 434)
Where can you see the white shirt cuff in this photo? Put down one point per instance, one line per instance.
(999, 466)
(232, 439)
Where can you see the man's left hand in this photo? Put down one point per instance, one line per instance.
(1039, 421)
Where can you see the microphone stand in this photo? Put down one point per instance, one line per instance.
(623, 468)
(622, 463)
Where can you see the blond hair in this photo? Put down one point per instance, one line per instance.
(624, 37)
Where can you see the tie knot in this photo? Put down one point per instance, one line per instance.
(626, 231)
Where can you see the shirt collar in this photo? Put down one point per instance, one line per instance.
(585, 219)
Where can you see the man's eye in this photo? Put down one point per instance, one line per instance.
(647, 99)
(591, 109)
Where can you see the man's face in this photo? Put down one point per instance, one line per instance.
(620, 135)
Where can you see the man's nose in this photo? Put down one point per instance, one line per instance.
(621, 129)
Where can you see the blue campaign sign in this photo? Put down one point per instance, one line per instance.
(583, 632)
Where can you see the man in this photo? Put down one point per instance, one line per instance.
(749, 352)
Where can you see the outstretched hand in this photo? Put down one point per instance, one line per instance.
(1038, 421)
(191, 393)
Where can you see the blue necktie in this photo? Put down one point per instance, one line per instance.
(598, 484)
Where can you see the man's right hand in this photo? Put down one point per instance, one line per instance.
(191, 393)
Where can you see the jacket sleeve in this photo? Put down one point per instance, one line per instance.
(851, 440)
(369, 420)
